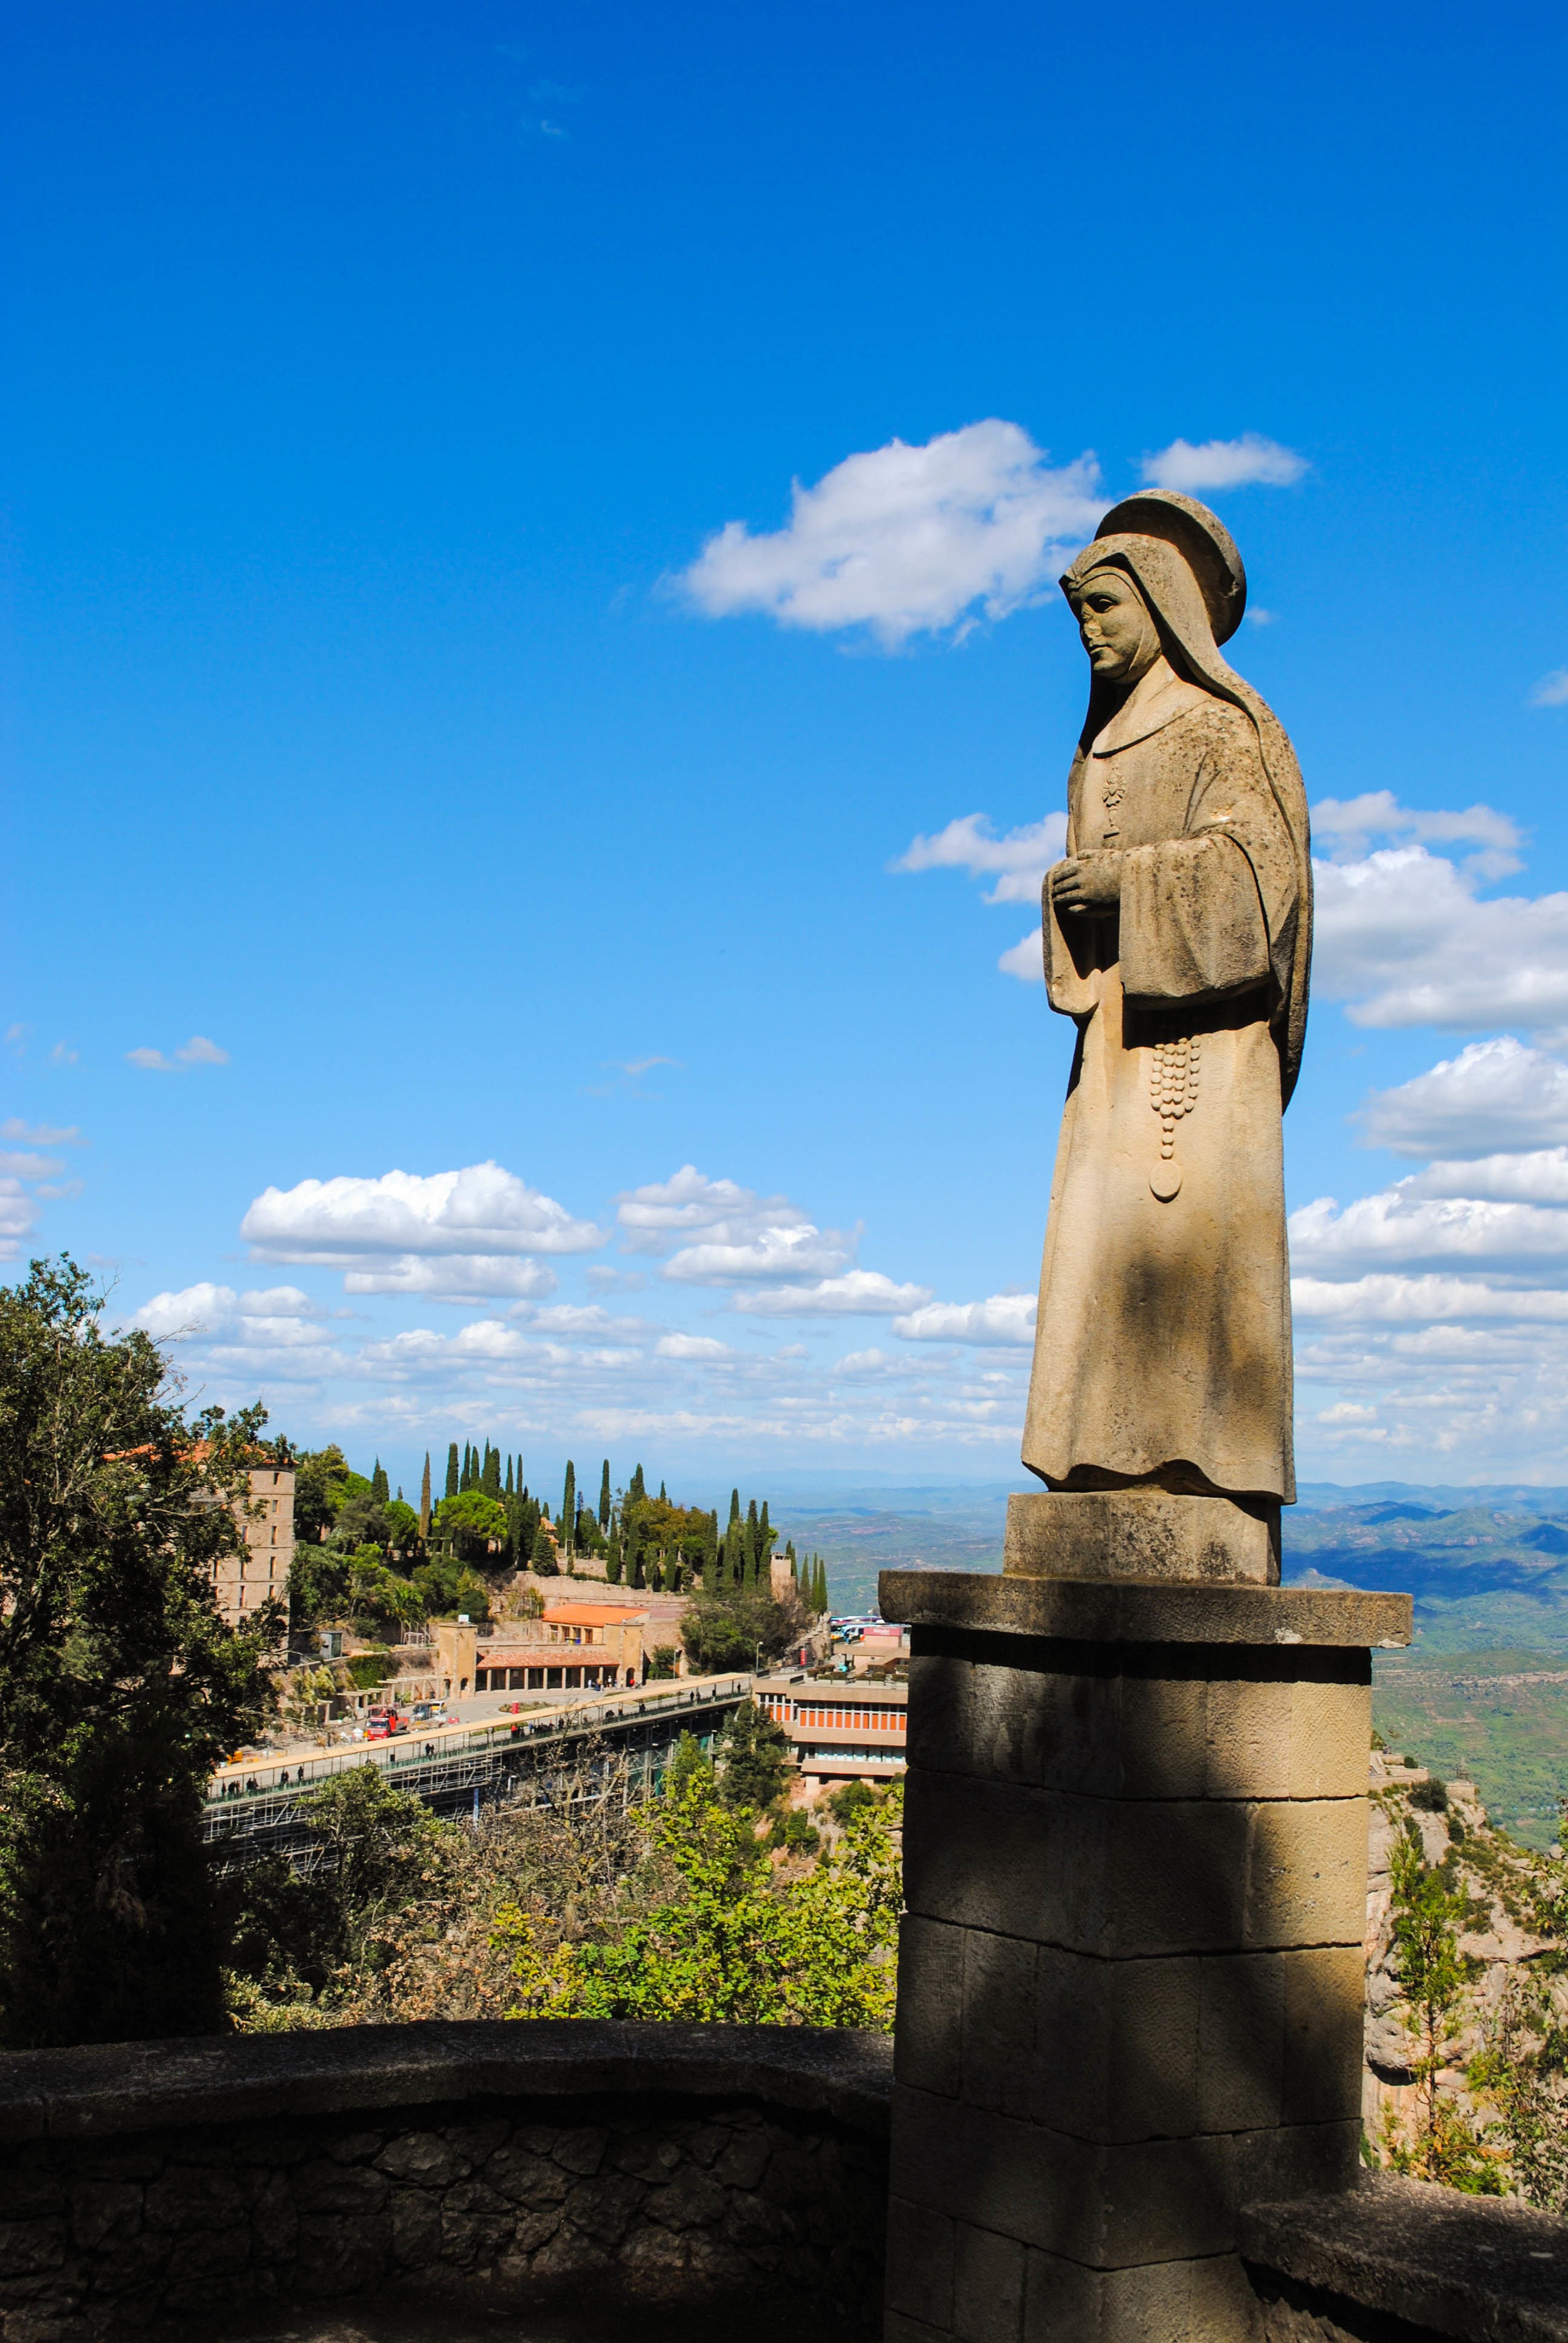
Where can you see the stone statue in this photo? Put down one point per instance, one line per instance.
(1177, 935)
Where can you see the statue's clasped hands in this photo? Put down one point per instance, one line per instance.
(1085, 882)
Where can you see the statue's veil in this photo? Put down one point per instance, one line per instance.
(1191, 575)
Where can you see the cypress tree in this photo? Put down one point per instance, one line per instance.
(466, 1477)
(425, 1499)
(490, 1479)
(766, 1533)
(637, 1491)
(508, 1487)
(612, 1566)
(570, 1504)
(604, 1496)
(380, 1487)
(453, 1482)
(753, 1551)
(663, 1495)
(734, 1505)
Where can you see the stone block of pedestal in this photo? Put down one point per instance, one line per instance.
(1130, 1993)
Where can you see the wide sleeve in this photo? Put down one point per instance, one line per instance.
(1212, 913)
(1192, 926)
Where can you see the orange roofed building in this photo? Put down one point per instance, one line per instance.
(575, 1647)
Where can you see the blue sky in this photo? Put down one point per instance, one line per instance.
(394, 733)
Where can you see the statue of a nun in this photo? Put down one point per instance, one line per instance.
(1177, 935)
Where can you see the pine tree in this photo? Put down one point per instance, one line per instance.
(453, 1482)
(570, 1505)
(604, 1496)
(380, 1487)
(424, 1500)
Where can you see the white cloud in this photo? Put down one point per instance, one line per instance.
(1538, 1176)
(41, 1134)
(19, 1166)
(273, 1318)
(1004, 1318)
(198, 1051)
(1551, 691)
(18, 1214)
(1026, 959)
(907, 540)
(582, 1320)
(1019, 859)
(1496, 1095)
(1351, 823)
(742, 1235)
(1403, 939)
(1224, 464)
(797, 1250)
(1418, 1301)
(859, 1293)
(691, 1346)
(339, 1222)
(1398, 1225)
(1347, 1412)
(454, 1277)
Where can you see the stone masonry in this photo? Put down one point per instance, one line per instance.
(1131, 1977)
(699, 2198)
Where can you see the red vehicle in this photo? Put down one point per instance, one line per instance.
(384, 1725)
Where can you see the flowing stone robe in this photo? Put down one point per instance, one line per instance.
(1164, 1339)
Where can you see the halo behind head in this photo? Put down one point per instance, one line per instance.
(1199, 537)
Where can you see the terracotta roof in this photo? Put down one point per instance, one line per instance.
(590, 1614)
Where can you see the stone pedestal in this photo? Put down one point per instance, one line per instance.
(1142, 1534)
(1129, 1991)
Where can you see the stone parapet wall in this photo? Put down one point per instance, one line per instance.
(507, 2165)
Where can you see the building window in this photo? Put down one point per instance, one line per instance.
(552, 1679)
(573, 1680)
(536, 1679)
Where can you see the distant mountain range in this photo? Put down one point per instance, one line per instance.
(1482, 1690)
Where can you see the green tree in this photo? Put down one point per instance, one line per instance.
(469, 1474)
(380, 1487)
(491, 1478)
(403, 1523)
(604, 1498)
(636, 1488)
(473, 1522)
(612, 1568)
(454, 1477)
(120, 1687)
(731, 1943)
(1433, 1976)
(322, 1482)
(755, 1760)
(569, 1512)
(751, 1549)
(508, 1491)
(721, 1632)
(425, 1501)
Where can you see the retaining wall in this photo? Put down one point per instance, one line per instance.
(504, 2166)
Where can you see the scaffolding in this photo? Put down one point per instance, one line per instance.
(579, 1755)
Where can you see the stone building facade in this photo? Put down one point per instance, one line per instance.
(248, 1579)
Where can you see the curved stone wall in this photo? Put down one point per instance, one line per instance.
(504, 2166)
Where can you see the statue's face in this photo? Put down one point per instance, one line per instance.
(1117, 630)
